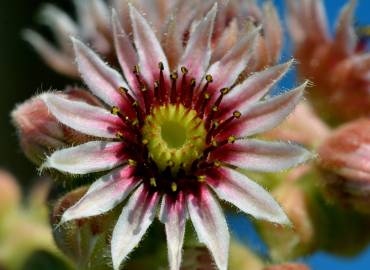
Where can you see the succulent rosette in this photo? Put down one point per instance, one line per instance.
(171, 20)
(173, 134)
(344, 94)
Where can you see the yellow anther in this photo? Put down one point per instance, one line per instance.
(225, 91)
(231, 139)
(171, 163)
(174, 187)
(144, 89)
(214, 143)
(214, 108)
(209, 78)
(237, 114)
(115, 110)
(153, 182)
(122, 90)
(135, 123)
(174, 75)
(184, 70)
(216, 124)
(145, 141)
(156, 84)
(135, 103)
(201, 178)
(119, 135)
(161, 66)
(136, 69)
(132, 162)
(217, 163)
(193, 82)
(207, 96)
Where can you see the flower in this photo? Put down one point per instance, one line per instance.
(40, 132)
(344, 94)
(93, 27)
(174, 137)
(344, 159)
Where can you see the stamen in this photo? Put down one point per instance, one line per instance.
(236, 115)
(174, 76)
(206, 98)
(209, 80)
(189, 100)
(223, 92)
(162, 90)
(143, 88)
(201, 178)
(134, 104)
(184, 72)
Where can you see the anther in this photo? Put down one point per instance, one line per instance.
(119, 135)
(153, 182)
(231, 139)
(170, 163)
(132, 162)
(201, 178)
(209, 80)
(174, 187)
(237, 114)
(161, 66)
(225, 91)
(184, 70)
(136, 69)
(145, 141)
(217, 163)
(115, 110)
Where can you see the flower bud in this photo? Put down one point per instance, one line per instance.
(287, 266)
(297, 240)
(39, 131)
(345, 163)
(9, 193)
(81, 240)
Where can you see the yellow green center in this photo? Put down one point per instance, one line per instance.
(175, 136)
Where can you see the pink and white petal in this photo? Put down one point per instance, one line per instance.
(85, 118)
(253, 88)
(319, 19)
(345, 38)
(197, 53)
(86, 158)
(246, 194)
(273, 32)
(101, 79)
(103, 195)
(126, 54)
(296, 22)
(264, 156)
(210, 225)
(148, 48)
(61, 24)
(226, 71)
(52, 56)
(172, 41)
(135, 219)
(173, 215)
(264, 115)
(226, 41)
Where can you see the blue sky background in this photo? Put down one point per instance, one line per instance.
(243, 229)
